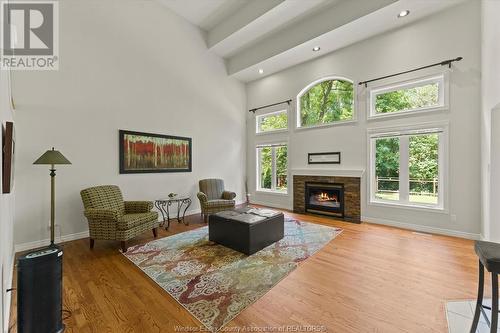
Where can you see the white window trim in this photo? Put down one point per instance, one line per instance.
(335, 123)
(443, 155)
(280, 130)
(354, 119)
(273, 189)
(441, 79)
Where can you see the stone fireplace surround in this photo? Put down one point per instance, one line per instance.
(352, 193)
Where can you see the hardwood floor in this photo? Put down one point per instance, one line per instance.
(369, 279)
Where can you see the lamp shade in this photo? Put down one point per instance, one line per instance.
(52, 157)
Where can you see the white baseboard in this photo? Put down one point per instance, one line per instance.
(402, 225)
(45, 242)
(422, 228)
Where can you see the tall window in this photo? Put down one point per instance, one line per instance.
(417, 95)
(406, 167)
(272, 168)
(271, 122)
(328, 101)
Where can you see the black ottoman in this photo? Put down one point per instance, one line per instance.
(246, 230)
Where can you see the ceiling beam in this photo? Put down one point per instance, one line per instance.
(329, 19)
(276, 18)
(241, 18)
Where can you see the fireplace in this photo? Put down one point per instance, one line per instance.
(351, 198)
(324, 198)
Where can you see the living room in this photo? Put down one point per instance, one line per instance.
(359, 134)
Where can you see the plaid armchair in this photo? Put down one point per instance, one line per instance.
(213, 197)
(111, 218)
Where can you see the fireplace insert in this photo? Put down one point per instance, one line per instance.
(325, 198)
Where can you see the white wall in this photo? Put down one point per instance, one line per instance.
(449, 34)
(6, 214)
(123, 65)
(490, 121)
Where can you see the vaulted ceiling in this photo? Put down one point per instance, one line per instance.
(271, 35)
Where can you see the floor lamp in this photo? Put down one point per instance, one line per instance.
(52, 157)
(39, 273)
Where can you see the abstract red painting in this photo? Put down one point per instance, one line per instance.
(147, 152)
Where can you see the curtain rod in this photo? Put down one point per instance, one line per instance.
(442, 63)
(267, 106)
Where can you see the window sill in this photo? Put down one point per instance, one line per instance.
(279, 131)
(389, 204)
(279, 193)
(407, 113)
(336, 123)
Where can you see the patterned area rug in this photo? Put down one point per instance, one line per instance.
(215, 283)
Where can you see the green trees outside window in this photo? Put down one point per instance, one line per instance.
(326, 102)
(421, 181)
(272, 121)
(266, 167)
(273, 168)
(387, 168)
(422, 94)
(281, 168)
(408, 99)
(423, 167)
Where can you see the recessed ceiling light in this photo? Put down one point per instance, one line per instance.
(261, 71)
(316, 48)
(404, 13)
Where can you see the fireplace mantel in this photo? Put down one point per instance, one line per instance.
(328, 172)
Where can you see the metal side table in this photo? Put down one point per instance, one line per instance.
(182, 201)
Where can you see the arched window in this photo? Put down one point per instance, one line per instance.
(325, 101)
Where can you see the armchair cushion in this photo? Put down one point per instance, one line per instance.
(212, 188)
(219, 203)
(129, 221)
(103, 197)
(138, 207)
(101, 214)
(228, 195)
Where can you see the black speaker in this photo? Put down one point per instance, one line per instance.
(39, 291)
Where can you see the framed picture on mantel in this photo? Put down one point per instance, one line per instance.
(323, 158)
(148, 153)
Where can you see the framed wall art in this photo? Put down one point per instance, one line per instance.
(8, 150)
(323, 158)
(149, 153)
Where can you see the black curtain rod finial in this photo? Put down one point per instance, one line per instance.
(288, 101)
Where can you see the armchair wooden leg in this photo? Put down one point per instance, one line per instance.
(91, 243)
(124, 246)
(155, 232)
